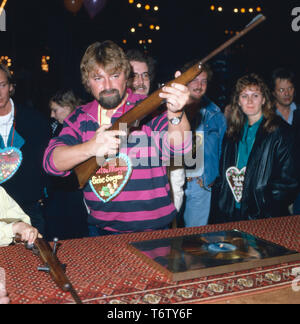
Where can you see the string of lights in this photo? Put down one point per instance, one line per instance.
(236, 10)
(45, 63)
(146, 6)
(145, 26)
(5, 60)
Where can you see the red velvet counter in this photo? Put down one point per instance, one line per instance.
(104, 271)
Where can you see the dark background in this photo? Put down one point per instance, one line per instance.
(188, 30)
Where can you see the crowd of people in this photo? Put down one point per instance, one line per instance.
(245, 159)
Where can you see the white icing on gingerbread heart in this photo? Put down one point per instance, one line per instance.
(235, 179)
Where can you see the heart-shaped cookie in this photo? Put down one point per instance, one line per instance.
(235, 179)
(111, 178)
(10, 161)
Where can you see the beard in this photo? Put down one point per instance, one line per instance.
(110, 99)
(197, 96)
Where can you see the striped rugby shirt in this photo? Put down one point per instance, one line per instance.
(145, 202)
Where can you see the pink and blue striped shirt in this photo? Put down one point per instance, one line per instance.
(145, 203)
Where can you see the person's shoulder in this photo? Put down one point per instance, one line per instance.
(2, 192)
(297, 111)
(282, 129)
(283, 126)
(81, 111)
(86, 108)
(134, 98)
(210, 105)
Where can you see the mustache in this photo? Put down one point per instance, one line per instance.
(108, 92)
(140, 87)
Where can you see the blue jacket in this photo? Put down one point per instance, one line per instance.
(213, 123)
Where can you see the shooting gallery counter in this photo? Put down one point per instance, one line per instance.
(103, 270)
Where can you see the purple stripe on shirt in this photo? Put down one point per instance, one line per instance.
(134, 216)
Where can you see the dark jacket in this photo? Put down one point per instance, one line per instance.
(296, 118)
(270, 182)
(296, 127)
(65, 213)
(27, 185)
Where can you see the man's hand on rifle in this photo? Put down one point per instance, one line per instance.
(176, 96)
(106, 142)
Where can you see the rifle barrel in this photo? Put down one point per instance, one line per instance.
(55, 268)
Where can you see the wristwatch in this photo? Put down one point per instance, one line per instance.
(176, 120)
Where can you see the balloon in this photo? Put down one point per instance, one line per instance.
(73, 5)
(93, 7)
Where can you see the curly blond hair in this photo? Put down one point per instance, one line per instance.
(108, 55)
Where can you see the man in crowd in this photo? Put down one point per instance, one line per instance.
(209, 126)
(143, 203)
(284, 92)
(24, 133)
(283, 87)
(143, 71)
(141, 81)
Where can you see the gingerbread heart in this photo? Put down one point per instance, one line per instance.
(111, 178)
(10, 161)
(235, 179)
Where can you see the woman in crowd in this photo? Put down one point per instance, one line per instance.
(257, 172)
(66, 214)
(62, 104)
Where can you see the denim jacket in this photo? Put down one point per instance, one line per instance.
(214, 126)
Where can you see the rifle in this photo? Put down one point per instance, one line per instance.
(52, 265)
(86, 169)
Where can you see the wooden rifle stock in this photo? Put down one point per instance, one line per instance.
(86, 169)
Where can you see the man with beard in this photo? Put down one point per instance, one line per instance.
(144, 203)
(209, 126)
(142, 71)
(283, 89)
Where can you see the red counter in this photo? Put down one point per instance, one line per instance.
(103, 270)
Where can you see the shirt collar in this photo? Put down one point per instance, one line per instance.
(10, 116)
(293, 107)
